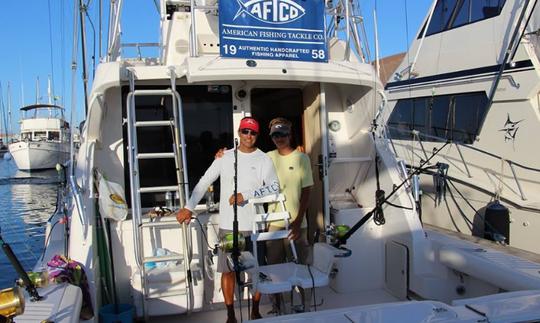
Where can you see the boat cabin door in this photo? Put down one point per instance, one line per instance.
(301, 106)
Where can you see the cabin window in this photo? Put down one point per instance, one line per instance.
(26, 136)
(484, 9)
(440, 120)
(469, 111)
(208, 126)
(401, 120)
(40, 135)
(455, 117)
(441, 16)
(54, 135)
(450, 14)
(463, 13)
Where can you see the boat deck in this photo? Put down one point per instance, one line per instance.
(326, 299)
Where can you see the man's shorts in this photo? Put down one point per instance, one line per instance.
(223, 265)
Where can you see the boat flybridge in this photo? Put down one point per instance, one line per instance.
(472, 77)
(44, 139)
(153, 127)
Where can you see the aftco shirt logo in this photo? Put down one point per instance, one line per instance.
(271, 11)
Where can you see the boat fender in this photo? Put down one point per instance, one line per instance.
(497, 223)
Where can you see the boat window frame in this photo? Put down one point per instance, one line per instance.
(452, 130)
(57, 138)
(43, 137)
(449, 24)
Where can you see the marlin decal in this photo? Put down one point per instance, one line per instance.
(271, 11)
(510, 129)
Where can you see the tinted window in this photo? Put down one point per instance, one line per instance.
(462, 15)
(420, 115)
(440, 121)
(401, 120)
(455, 117)
(441, 16)
(468, 112)
(483, 9)
(455, 13)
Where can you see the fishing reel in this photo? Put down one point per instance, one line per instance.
(336, 231)
(11, 303)
(226, 242)
(38, 278)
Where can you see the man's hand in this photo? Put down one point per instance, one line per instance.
(184, 216)
(295, 230)
(239, 199)
(220, 153)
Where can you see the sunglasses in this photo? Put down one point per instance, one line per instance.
(279, 135)
(248, 132)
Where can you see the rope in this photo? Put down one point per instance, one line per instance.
(501, 181)
(474, 209)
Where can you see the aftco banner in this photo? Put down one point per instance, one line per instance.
(273, 29)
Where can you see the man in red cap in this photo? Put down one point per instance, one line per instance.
(256, 178)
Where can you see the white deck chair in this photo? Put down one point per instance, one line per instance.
(283, 277)
(269, 279)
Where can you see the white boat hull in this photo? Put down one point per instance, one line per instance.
(31, 155)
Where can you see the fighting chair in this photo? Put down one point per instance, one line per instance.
(283, 277)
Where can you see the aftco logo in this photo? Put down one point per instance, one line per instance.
(271, 11)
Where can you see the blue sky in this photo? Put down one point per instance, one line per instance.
(27, 33)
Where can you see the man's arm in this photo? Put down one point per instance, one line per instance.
(210, 176)
(296, 225)
(307, 183)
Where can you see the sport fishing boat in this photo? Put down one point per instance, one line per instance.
(471, 77)
(152, 128)
(44, 138)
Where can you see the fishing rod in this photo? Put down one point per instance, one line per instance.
(28, 284)
(236, 249)
(379, 202)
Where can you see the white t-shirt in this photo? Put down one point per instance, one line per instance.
(256, 178)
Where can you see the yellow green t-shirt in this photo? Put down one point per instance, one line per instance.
(294, 174)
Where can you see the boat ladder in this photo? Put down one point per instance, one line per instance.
(178, 153)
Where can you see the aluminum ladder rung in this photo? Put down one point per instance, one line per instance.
(159, 123)
(163, 258)
(158, 189)
(155, 155)
(160, 224)
(154, 295)
(153, 92)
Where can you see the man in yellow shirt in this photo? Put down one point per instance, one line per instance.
(293, 169)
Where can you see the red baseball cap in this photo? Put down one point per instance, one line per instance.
(249, 123)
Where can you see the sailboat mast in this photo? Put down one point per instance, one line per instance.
(10, 130)
(49, 94)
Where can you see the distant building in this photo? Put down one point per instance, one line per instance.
(389, 65)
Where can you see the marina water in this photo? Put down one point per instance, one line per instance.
(27, 200)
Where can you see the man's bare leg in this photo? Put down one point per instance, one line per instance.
(255, 314)
(227, 287)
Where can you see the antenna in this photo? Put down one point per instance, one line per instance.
(377, 61)
(49, 89)
(37, 90)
